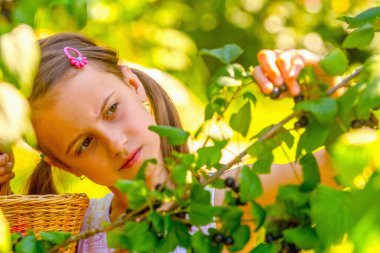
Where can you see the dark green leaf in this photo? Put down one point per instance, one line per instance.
(302, 237)
(264, 163)
(241, 236)
(334, 63)
(179, 174)
(116, 239)
(292, 194)
(249, 96)
(370, 98)
(265, 248)
(178, 235)
(324, 109)
(286, 137)
(360, 38)
(78, 9)
(250, 185)
(258, 214)
(55, 237)
(230, 217)
(331, 214)
(201, 214)
(157, 220)
(368, 16)
(175, 136)
(226, 54)
(241, 120)
(201, 243)
(310, 170)
(139, 237)
(200, 195)
(29, 244)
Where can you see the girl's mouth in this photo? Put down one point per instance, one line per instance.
(133, 157)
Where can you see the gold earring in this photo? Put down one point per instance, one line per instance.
(147, 106)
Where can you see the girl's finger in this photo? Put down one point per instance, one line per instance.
(7, 177)
(4, 157)
(284, 62)
(267, 60)
(294, 88)
(297, 65)
(6, 169)
(263, 82)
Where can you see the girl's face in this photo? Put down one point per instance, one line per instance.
(98, 127)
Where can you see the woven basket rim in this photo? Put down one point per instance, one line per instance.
(47, 197)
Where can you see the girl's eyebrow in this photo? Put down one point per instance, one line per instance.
(71, 144)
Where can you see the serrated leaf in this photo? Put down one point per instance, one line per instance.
(19, 57)
(368, 16)
(226, 54)
(310, 171)
(334, 63)
(250, 185)
(360, 38)
(241, 120)
(258, 214)
(302, 237)
(330, 206)
(324, 109)
(174, 135)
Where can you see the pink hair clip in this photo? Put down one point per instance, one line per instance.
(79, 61)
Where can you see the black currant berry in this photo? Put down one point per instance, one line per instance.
(298, 98)
(235, 188)
(228, 240)
(229, 182)
(283, 88)
(301, 122)
(356, 123)
(369, 123)
(275, 93)
(217, 238)
(159, 187)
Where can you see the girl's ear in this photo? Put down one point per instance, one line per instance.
(132, 79)
(60, 165)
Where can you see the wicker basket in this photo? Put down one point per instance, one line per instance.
(45, 213)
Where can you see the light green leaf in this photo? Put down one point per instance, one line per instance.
(29, 244)
(136, 191)
(55, 237)
(360, 38)
(227, 81)
(139, 238)
(201, 214)
(226, 54)
(78, 9)
(250, 185)
(324, 109)
(310, 170)
(201, 243)
(209, 156)
(302, 237)
(334, 63)
(175, 136)
(370, 98)
(331, 214)
(265, 248)
(258, 214)
(241, 120)
(19, 57)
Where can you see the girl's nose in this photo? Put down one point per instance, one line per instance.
(117, 144)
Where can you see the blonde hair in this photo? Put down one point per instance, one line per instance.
(55, 67)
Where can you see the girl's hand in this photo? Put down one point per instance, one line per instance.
(6, 166)
(283, 67)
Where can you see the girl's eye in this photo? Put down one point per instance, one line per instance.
(85, 144)
(111, 110)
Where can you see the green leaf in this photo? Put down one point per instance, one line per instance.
(136, 191)
(292, 194)
(141, 173)
(368, 16)
(201, 243)
(200, 195)
(302, 237)
(324, 109)
(157, 220)
(286, 137)
(310, 170)
(209, 156)
(230, 217)
(258, 214)
(201, 214)
(250, 96)
(264, 163)
(178, 235)
(226, 54)
(175, 136)
(179, 174)
(241, 120)
(334, 63)
(55, 237)
(78, 9)
(265, 248)
(117, 239)
(250, 185)
(360, 38)
(331, 214)
(140, 239)
(314, 137)
(241, 236)
(370, 98)
(20, 56)
(29, 244)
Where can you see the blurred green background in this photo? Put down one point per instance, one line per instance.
(167, 34)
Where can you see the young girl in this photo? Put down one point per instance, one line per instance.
(91, 117)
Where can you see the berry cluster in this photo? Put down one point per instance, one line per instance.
(277, 91)
(218, 238)
(230, 183)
